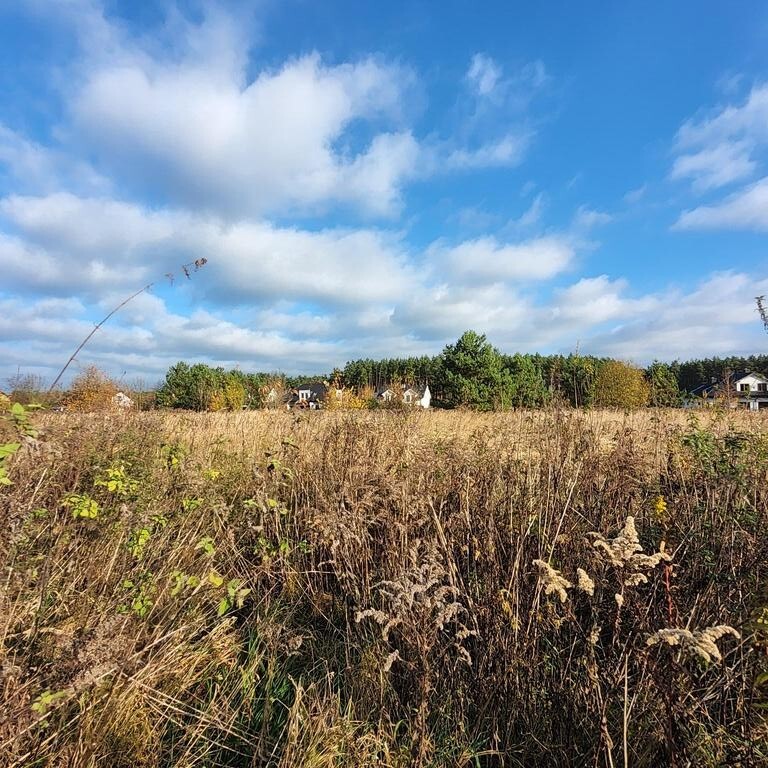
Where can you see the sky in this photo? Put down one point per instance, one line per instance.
(373, 179)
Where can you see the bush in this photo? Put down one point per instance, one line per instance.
(91, 390)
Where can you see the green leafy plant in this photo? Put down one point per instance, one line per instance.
(46, 700)
(6, 451)
(234, 598)
(138, 541)
(115, 479)
(82, 506)
(18, 415)
(181, 581)
(173, 454)
(207, 546)
(190, 505)
(140, 599)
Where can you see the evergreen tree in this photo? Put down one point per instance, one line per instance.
(664, 390)
(528, 387)
(473, 375)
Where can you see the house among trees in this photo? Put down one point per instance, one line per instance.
(740, 390)
(405, 395)
(307, 396)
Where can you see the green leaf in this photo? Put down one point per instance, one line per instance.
(8, 449)
(215, 579)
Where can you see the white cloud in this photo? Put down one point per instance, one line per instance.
(93, 245)
(749, 119)
(746, 209)
(715, 166)
(595, 300)
(588, 218)
(529, 218)
(185, 115)
(635, 195)
(717, 317)
(209, 139)
(718, 150)
(486, 260)
(36, 167)
(483, 74)
(506, 151)
(443, 312)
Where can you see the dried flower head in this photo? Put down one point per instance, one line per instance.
(553, 580)
(624, 550)
(585, 583)
(700, 644)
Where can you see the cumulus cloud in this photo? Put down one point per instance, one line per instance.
(595, 300)
(441, 313)
(191, 120)
(487, 260)
(714, 318)
(208, 138)
(89, 245)
(35, 167)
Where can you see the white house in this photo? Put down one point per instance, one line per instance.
(752, 391)
(742, 390)
(409, 396)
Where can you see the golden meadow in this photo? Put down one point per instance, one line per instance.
(549, 588)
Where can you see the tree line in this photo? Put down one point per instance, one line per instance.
(470, 373)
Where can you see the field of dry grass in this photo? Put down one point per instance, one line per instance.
(386, 589)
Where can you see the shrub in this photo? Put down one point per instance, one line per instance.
(91, 390)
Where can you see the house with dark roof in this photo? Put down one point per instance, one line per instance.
(743, 389)
(310, 396)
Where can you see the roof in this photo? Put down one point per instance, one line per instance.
(316, 388)
(317, 391)
(416, 390)
(737, 377)
(704, 390)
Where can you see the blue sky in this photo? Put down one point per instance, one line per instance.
(373, 179)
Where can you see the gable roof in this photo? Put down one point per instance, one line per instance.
(744, 374)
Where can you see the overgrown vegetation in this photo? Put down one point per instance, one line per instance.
(384, 588)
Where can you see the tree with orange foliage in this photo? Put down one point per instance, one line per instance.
(91, 390)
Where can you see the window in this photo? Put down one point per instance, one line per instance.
(304, 394)
(407, 397)
(762, 387)
(743, 387)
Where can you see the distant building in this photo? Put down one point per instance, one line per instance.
(744, 389)
(411, 396)
(310, 396)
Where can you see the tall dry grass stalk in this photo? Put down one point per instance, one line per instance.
(371, 589)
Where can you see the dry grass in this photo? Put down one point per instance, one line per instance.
(359, 589)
